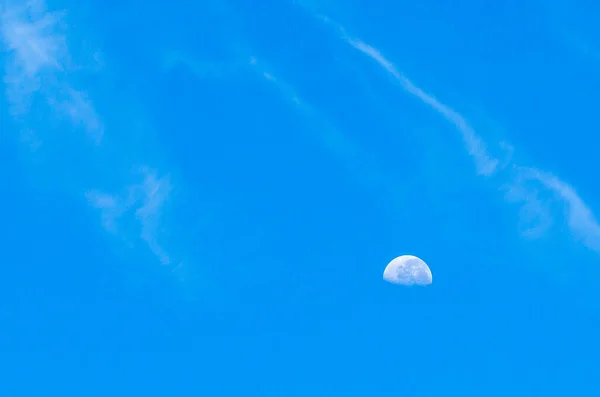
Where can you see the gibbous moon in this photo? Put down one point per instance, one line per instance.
(407, 270)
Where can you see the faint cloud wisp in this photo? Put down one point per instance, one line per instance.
(580, 218)
(143, 201)
(38, 62)
(486, 165)
(524, 185)
(40, 76)
(349, 153)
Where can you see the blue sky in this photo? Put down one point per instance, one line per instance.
(200, 198)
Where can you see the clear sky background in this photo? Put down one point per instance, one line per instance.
(198, 198)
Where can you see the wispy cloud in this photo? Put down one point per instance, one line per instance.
(39, 63)
(349, 153)
(486, 165)
(111, 206)
(142, 201)
(524, 185)
(40, 71)
(152, 193)
(535, 214)
(580, 218)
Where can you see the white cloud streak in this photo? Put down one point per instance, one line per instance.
(580, 218)
(535, 212)
(486, 165)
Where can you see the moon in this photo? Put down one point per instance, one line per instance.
(407, 270)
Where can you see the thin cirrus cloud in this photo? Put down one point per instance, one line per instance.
(38, 65)
(580, 218)
(525, 185)
(40, 72)
(349, 154)
(142, 202)
(136, 210)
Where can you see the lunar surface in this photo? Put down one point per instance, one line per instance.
(407, 270)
